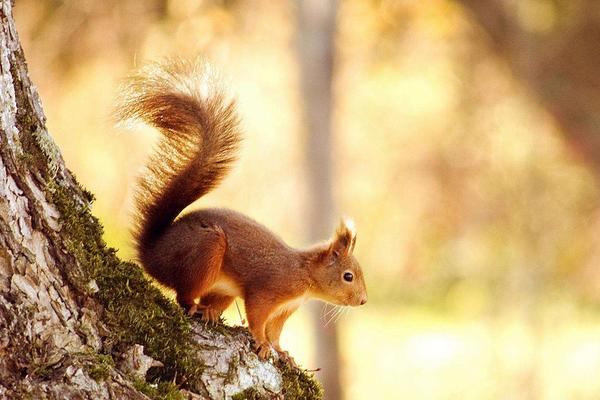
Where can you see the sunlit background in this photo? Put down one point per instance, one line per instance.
(465, 146)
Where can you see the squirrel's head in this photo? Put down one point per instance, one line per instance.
(337, 274)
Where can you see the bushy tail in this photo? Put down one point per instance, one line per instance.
(199, 141)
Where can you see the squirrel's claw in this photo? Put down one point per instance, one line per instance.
(209, 315)
(285, 356)
(263, 351)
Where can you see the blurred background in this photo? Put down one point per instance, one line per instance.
(462, 136)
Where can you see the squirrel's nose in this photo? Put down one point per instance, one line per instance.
(363, 301)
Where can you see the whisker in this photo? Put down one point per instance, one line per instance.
(340, 314)
(329, 312)
(337, 314)
(333, 315)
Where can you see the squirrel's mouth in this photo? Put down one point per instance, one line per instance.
(358, 302)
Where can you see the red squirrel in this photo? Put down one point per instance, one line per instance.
(215, 254)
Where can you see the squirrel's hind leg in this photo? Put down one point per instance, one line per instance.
(200, 268)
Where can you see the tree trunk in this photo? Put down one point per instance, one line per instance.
(316, 30)
(73, 317)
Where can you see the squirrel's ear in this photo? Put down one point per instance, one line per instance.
(344, 239)
(342, 243)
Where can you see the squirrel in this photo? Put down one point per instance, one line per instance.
(213, 255)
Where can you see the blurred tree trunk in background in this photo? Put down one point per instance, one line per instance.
(552, 46)
(316, 29)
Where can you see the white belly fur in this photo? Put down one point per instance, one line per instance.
(228, 287)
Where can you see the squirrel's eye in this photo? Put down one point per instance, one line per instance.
(348, 276)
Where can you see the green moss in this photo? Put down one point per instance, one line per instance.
(298, 384)
(98, 366)
(39, 153)
(249, 394)
(48, 149)
(160, 391)
(43, 371)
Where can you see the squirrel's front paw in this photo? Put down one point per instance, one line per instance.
(263, 350)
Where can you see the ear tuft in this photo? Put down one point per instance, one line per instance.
(345, 237)
(348, 227)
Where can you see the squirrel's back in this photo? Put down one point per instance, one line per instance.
(253, 250)
(199, 140)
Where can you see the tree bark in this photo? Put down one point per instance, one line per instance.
(75, 321)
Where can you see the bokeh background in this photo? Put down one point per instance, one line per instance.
(465, 144)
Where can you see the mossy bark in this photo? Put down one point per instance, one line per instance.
(70, 311)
